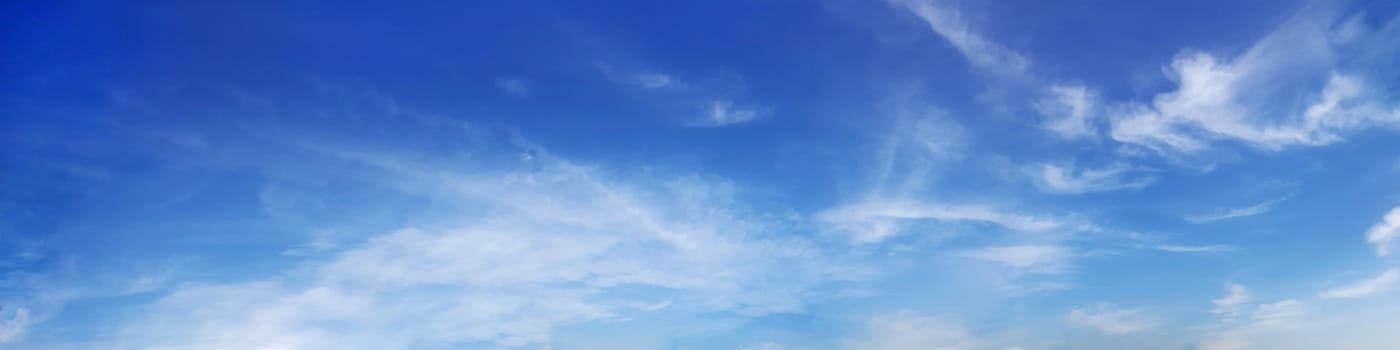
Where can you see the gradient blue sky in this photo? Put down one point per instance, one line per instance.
(774, 174)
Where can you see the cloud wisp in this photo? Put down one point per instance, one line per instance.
(553, 244)
(1384, 232)
(875, 220)
(1231, 213)
(1384, 282)
(1061, 179)
(1229, 305)
(907, 330)
(1037, 259)
(1110, 319)
(1238, 99)
(979, 51)
(712, 102)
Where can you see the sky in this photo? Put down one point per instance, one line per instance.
(747, 175)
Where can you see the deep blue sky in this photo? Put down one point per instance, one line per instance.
(829, 174)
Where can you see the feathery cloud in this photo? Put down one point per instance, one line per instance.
(1266, 320)
(907, 330)
(1385, 231)
(1238, 99)
(1068, 180)
(874, 220)
(12, 328)
(554, 244)
(1214, 248)
(980, 52)
(1230, 213)
(1110, 319)
(1385, 282)
(1070, 110)
(1228, 306)
(1026, 258)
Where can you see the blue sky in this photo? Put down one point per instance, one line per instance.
(827, 174)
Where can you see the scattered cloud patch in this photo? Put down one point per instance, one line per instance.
(1278, 314)
(638, 79)
(907, 330)
(1230, 213)
(555, 244)
(706, 103)
(1069, 110)
(1060, 179)
(1385, 282)
(725, 113)
(1385, 231)
(651, 80)
(13, 325)
(1110, 319)
(1267, 320)
(1229, 305)
(1214, 248)
(517, 87)
(1026, 258)
(1250, 98)
(875, 220)
(982, 53)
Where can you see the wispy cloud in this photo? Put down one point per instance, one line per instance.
(1235, 99)
(725, 113)
(651, 80)
(1214, 248)
(552, 244)
(1070, 110)
(1277, 314)
(980, 52)
(1229, 305)
(1110, 319)
(709, 103)
(518, 87)
(874, 220)
(1026, 258)
(1230, 213)
(640, 79)
(12, 327)
(1385, 282)
(1385, 231)
(907, 330)
(1267, 319)
(1061, 179)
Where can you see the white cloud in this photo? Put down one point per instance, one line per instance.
(1230, 213)
(980, 52)
(725, 113)
(705, 103)
(517, 87)
(1228, 306)
(641, 79)
(1026, 258)
(1250, 98)
(12, 328)
(1214, 248)
(1385, 231)
(1385, 282)
(652, 80)
(549, 246)
(1069, 180)
(1070, 110)
(1110, 319)
(1277, 314)
(764, 346)
(911, 331)
(1267, 320)
(874, 220)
